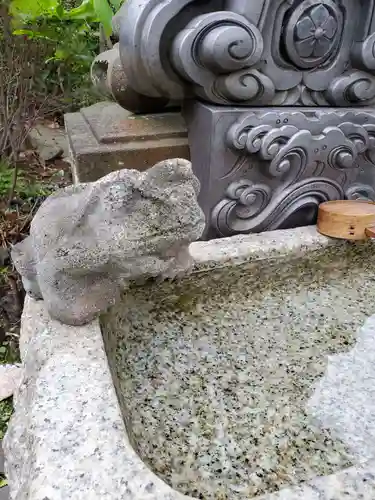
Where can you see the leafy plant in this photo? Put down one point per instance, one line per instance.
(89, 11)
(6, 179)
(17, 108)
(6, 410)
(21, 187)
(65, 74)
(73, 35)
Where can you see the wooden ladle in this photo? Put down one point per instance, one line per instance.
(347, 219)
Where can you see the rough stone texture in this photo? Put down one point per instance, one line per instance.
(50, 143)
(4, 493)
(67, 439)
(105, 137)
(89, 240)
(10, 376)
(216, 388)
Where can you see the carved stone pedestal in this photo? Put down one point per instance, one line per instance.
(105, 137)
(263, 169)
(290, 92)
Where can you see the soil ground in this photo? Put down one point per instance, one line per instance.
(36, 180)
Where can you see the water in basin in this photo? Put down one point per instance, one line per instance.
(218, 377)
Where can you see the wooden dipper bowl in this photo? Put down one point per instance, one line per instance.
(348, 220)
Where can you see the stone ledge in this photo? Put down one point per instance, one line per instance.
(105, 137)
(67, 438)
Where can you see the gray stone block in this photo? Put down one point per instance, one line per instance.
(4, 493)
(105, 137)
(50, 143)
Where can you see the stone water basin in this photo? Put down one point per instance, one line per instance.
(236, 381)
(254, 377)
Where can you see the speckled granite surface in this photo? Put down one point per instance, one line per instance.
(68, 440)
(218, 375)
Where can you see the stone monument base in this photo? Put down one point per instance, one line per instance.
(263, 169)
(105, 137)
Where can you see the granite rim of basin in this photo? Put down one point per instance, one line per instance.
(69, 438)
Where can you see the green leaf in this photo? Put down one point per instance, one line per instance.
(83, 11)
(28, 33)
(105, 14)
(60, 10)
(3, 349)
(3, 482)
(32, 8)
(116, 4)
(61, 54)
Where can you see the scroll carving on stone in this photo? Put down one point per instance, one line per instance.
(261, 85)
(303, 153)
(269, 52)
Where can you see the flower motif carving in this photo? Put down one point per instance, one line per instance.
(313, 33)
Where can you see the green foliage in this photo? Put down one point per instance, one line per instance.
(66, 72)
(23, 189)
(3, 481)
(6, 410)
(8, 354)
(89, 11)
(72, 35)
(6, 179)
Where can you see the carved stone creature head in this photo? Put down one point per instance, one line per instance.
(89, 240)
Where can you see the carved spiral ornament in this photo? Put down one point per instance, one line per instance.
(363, 53)
(312, 33)
(287, 149)
(245, 201)
(250, 198)
(353, 88)
(213, 52)
(230, 215)
(251, 53)
(248, 85)
(225, 46)
(360, 191)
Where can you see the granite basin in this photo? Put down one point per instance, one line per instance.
(253, 377)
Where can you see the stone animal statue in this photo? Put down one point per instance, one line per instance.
(88, 241)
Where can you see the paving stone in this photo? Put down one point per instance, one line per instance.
(50, 143)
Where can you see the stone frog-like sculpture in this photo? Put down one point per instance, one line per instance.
(88, 241)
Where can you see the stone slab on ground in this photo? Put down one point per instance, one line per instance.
(105, 137)
(50, 143)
